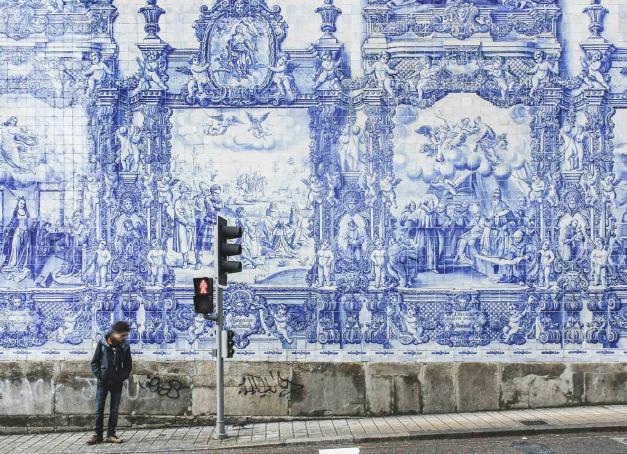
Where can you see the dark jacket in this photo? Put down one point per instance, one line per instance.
(112, 364)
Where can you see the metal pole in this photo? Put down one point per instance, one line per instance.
(220, 428)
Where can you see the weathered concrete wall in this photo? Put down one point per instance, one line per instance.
(60, 395)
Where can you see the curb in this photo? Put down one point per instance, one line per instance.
(397, 436)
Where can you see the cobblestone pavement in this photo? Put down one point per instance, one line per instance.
(340, 431)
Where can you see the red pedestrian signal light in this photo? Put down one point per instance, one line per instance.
(203, 295)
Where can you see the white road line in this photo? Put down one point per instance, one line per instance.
(340, 451)
(620, 440)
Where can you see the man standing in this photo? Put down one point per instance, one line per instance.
(111, 365)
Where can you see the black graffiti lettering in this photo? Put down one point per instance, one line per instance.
(263, 386)
(165, 388)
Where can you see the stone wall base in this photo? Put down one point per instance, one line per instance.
(60, 395)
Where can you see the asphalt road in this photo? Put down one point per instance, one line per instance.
(584, 443)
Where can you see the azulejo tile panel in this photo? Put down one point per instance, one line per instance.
(456, 195)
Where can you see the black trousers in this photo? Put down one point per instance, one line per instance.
(115, 391)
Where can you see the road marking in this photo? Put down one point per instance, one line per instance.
(340, 451)
(621, 440)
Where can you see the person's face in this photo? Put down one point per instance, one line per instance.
(21, 204)
(128, 205)
(118, 337)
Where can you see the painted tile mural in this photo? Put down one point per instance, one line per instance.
(416, 180)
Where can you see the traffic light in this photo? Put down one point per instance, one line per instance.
(229, 345)
(226, 250)
(203, 295)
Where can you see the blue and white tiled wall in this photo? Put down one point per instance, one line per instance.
(416, 180)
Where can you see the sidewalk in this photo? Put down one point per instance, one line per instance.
(358, 430)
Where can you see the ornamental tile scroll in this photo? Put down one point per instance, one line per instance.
(240, 60)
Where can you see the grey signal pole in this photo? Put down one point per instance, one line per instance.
(222, 251)
(220, 427)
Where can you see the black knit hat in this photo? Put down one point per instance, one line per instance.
(121, 327)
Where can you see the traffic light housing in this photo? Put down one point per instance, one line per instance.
(225, 250)
(229, 344)
(203, 295)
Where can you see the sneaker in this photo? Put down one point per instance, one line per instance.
(94, 440)
(113, 439)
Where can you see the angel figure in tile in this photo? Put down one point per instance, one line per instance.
(383, 73)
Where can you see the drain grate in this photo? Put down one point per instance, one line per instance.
(533, 422)
(531, 448)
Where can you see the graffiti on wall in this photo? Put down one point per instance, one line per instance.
(461, 192)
